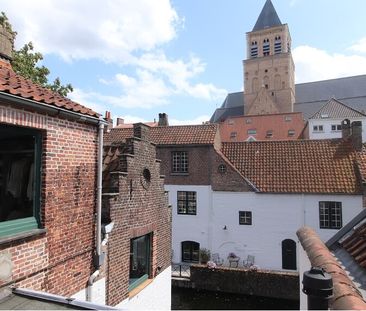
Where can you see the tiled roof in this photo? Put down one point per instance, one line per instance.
(14, 84)
(169, 135)
(130, 125)
(346, 296)
(355, 245)
(301, 166)
(279, 126)
(334, 109)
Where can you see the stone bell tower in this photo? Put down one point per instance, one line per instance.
(269, 70)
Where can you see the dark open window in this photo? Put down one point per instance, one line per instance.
(330, 215)
(180, 161)
(140, 260)
(190, 251)
(20, 166)
(187, 202)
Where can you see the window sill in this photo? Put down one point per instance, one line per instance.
(139, 288)
(179, 174)
(186, 214)
(21, 236)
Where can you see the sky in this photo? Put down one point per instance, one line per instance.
(139, 58)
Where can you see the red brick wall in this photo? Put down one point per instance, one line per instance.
(203, 163)
(136, 213)
(60, 260)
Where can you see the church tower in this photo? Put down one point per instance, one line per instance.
(269, 70)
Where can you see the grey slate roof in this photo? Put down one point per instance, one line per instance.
(334, 109)
(310, 97)
(267, 18)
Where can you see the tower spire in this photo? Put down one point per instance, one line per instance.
(267, 18)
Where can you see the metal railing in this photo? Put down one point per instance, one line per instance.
(181, 270)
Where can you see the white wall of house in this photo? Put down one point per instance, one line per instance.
(155, 296)
(275, 217)
(191, 227)
(304, 265)
(98, 292)
(327, 128)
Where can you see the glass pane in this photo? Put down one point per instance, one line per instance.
(139, 257)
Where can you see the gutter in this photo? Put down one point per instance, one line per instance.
(51, 110)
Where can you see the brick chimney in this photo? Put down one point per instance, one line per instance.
(142, 131)
(108, 118)
(346, 129)
(7, 37)
(163, 119)
(120, 121)
(356, 136)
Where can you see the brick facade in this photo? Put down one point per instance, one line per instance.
(59, 260)
(140, 207)
(203, 168)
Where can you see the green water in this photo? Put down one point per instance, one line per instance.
(192, 299)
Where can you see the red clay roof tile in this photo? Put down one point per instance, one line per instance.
(169, 135)
(302, 166)
(16, 85)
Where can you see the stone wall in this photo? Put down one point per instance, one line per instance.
(263, 283)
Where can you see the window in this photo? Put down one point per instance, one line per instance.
(222, 168)
(187, 202)
(20, 166)
(291, 133)
(266, 48)
(190, 251)
(233, 135)
(252, 132)
(269, 134)
(245, 218)
(254, 49)
(277, 45)
(288, 118)
(140, 254)
(330, 215)
(318, 128)
(336, 127)
(180, 162)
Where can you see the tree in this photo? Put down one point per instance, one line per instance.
(25, 63)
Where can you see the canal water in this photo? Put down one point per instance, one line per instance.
(193, 299)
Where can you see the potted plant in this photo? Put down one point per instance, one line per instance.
(205, 255)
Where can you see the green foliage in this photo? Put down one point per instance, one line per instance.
(25, 63)
(205, 255)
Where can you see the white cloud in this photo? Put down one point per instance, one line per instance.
(133, 119)
(110, 30)
(313, 64)
(360, 46)
(198, 120)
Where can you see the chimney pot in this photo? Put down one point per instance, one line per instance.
(109, 121)
(141, 131)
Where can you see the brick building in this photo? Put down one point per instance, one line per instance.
(139, 247)
(48, 175)
(249, 198)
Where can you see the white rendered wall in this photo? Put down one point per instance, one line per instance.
(275, 217)
(327, 128)
(195, 228)
(98, 293)
(155, 296)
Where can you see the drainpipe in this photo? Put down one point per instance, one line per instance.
(99, 257)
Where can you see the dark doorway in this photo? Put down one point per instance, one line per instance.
(288, 254)
(190, 251)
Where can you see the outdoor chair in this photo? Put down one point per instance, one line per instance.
(249, 261)
(217, 260)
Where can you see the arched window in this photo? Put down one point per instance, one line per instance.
(289, 254)
(254, 49)
(266, 82)
(190, 251)
(278, 45)
(266, 48)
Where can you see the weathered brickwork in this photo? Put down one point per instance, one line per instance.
(139, 208)
(59, 261)
(203, 168)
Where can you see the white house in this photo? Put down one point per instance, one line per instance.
(326, 123)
